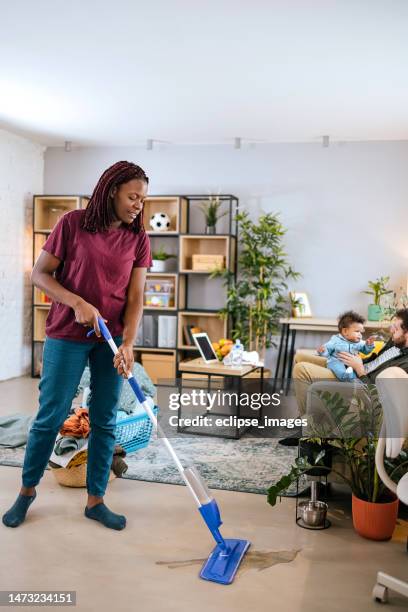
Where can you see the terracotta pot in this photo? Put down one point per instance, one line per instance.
(374, 521)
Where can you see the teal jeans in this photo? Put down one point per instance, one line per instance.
(63, 364)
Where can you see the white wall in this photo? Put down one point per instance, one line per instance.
(21, 176)
(345, 206)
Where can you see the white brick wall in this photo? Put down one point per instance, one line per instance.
(21, 176)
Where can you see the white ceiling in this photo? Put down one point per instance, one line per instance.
(118, 72)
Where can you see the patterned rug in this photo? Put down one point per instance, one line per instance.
(250, 464)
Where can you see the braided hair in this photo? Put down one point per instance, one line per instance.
(100, 212)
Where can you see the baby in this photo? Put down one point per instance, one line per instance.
(349, 340)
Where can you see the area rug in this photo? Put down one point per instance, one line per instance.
(249, 465)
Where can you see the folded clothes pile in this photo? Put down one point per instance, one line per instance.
(119, 466)
(66, 448)
(78, 459)
(71, 446)
(77, 425)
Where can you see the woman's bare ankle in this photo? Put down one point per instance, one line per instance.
(93, 500)
(27, 490)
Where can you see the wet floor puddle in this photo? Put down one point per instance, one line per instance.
(256, 559)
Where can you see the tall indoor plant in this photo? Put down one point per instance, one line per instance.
(258, 298)
(352, 431)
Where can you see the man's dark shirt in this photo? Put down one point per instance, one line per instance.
(401, 361)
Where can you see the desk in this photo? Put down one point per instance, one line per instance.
(291, 325)
(199, 366)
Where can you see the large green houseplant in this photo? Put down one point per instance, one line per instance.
(258, 297)
(352, 431)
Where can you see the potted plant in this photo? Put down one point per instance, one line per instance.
(161, 260)
(378, 289)
(374, 507)
(257, 298)
(211, 213)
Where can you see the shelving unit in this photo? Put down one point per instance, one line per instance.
(209, 322)
(178, 240)
(186, 243)
(176, 208)
(48, 209)
(216, 247)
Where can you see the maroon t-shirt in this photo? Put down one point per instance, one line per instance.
(97, 267)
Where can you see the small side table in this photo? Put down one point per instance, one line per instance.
(198, 366)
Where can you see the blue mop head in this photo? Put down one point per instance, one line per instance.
(223, 563)
(221, 566)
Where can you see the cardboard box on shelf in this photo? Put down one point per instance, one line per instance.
(206, 263)
(159, 366)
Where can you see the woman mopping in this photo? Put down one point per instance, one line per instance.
(92, 264)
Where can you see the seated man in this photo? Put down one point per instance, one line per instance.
(309, 368)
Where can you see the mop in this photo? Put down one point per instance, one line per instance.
(223, 563)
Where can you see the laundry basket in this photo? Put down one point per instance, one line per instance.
(133, 431)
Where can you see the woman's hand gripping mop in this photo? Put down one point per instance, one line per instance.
(222, 564)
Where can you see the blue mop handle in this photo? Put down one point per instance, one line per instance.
(108, 337)
(143, 400)
(209, 511)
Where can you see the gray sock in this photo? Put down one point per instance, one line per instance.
(101, 513)
(17, 513)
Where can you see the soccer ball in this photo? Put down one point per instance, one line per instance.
(160, 222)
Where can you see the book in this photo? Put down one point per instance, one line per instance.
(189, 330)
(167, 331)
(150, 331)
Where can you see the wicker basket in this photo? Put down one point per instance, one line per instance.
(75, 476)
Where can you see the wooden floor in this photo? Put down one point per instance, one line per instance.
(153, 564)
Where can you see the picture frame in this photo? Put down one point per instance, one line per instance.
(300, 304)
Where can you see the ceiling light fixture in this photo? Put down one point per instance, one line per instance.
(150, 143)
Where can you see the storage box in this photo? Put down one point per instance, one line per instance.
(159, 286)
(158, 300)
(159, 366)
(206, 263)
